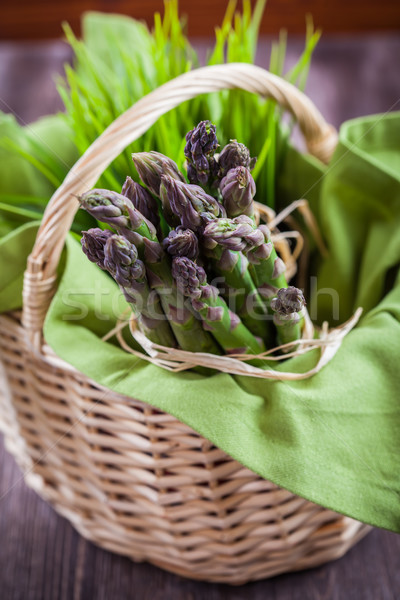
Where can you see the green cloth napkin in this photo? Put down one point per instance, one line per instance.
(333, 438)
(26, 184)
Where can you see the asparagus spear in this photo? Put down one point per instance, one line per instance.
(182, 242)
(116, 255)
(151, 166)
(238, 190)
(201, 144)
(122, 262)
(186, 327)
(225, 325)
(195, 209)
(288, 307)
(232, 265)
(234, 155)
(190, 203)
(266, 268)
(142, 200)
(93, 242)
(118, 211)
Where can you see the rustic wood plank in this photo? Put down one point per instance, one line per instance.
(349, 77)
(28, 75)
(42, 19)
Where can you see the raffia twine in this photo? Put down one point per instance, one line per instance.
(328, 341)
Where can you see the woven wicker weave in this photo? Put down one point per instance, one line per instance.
(130, 478)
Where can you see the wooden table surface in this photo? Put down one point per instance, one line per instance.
(41, 556)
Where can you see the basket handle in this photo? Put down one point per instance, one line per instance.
(40, 275)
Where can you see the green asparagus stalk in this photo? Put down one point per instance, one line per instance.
(118, 211)
(240, 292)
(225, 325)
(288, 307)
(186, 327)
(122, 262)
(266, 268)
(232, 265)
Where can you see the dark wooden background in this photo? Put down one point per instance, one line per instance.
(41, 556)
(25, 19)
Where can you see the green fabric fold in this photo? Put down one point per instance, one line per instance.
(14, 250)
(34, 160)
(333, 438)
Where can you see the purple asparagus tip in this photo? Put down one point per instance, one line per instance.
(238, 234)
(182, 242)
(201, 144)
(190, 203)
(151, 166)
(238, 190)
(93, 242)
(189, 277)
(288, 300)
(112, 208)
(234, 155)
(142, 200)
(121, 260)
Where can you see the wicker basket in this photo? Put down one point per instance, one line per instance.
(130, 478)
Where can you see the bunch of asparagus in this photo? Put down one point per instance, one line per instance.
(189, 257)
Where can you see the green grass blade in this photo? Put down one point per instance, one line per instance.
(13, 147)
(262, 155)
